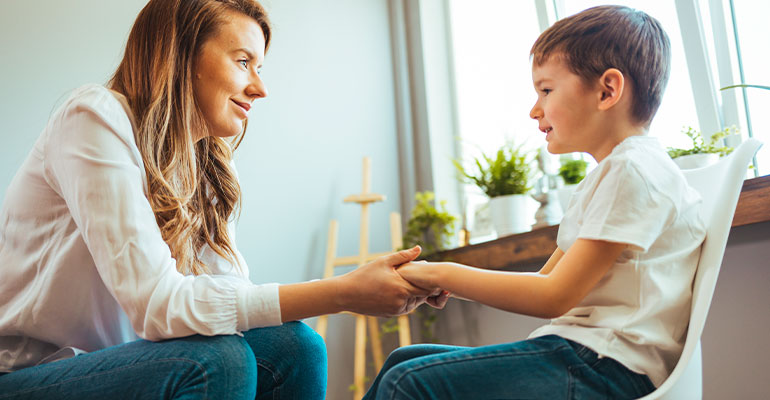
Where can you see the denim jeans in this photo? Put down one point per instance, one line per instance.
(548, 367)
(284, 362)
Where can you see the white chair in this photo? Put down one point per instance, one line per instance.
(720, 185)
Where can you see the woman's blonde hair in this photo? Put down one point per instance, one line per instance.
(192, 189)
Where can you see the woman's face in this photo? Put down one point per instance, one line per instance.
(226, 75)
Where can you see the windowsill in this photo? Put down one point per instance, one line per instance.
(528, 251)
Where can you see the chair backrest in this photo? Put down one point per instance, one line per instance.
(720, 186)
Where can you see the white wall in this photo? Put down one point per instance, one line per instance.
(330, 78)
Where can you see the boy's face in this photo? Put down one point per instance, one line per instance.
(565, 108)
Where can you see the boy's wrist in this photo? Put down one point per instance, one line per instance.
(440, 273)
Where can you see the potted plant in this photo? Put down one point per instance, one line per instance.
(432, 227)
(429, 226)
(703, 152)
(571, 172)
(505, 179)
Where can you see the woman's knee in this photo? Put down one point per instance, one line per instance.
(310, 347)
(294, 355)
(226, 364)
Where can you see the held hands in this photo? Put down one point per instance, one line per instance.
(377, 289)
(423, 274)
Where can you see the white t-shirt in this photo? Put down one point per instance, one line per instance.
(639, 312)
(82, 260)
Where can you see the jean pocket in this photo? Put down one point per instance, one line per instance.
(623, 382)
(585, 383)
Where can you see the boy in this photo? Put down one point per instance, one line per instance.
(618, 287)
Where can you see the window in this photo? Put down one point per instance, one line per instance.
(493, 78)
(751, 33)
(492, 40)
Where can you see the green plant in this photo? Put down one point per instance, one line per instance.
(428, 226)
(573, 171)
(701, 146)
(744, 85)
(509, 172)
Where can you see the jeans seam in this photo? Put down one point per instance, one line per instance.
(401, 392)
(275, 372)
(195, 363)
(444, 362)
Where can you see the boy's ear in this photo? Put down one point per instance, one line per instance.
(612, 84)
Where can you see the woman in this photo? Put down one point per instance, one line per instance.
(119, 224)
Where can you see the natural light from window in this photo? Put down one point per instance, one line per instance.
(753, 34)
(492, 39)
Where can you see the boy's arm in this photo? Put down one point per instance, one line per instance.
(552, 260)
(547, 294)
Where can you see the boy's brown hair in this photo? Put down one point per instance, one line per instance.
(604, 37)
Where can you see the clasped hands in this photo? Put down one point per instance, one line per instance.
(391, 285)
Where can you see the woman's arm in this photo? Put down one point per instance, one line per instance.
(562, 283)
(375, 288)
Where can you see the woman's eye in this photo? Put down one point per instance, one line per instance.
(546, 91)
(244, 63)
(259, 71)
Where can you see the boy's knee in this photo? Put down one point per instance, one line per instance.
(399, 379)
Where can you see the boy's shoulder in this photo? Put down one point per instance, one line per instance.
(642, 160)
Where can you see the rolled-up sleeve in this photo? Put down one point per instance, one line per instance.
(93, 163)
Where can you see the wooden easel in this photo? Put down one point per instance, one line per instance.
(332, 261)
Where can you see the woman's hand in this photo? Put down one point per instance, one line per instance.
(377, 289)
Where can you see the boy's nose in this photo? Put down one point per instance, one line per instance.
(536, 112)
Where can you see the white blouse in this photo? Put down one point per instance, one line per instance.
(83, 265)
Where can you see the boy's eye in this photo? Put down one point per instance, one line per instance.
(545, 91)
(244, 63)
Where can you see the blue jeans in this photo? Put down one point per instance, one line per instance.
(284, 362)
(548, 367)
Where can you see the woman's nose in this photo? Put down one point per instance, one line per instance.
(257, 88)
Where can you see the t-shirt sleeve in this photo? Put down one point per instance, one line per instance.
(624, 208)
(91, 161)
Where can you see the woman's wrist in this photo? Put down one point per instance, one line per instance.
(340, 292)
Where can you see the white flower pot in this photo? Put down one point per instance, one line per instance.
(692, 161)
(512, 214)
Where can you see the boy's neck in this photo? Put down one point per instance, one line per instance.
(617, 132)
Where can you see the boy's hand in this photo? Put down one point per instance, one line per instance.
(423, 274)
(438, 301)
